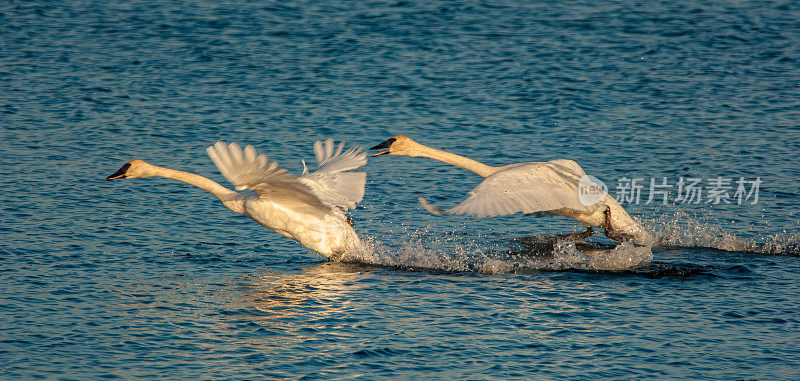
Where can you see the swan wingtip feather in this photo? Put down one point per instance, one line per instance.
(430, 208)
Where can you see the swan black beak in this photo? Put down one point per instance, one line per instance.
(384, 145)
(120, 173)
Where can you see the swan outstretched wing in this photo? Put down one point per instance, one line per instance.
(526, 188)
(331, 181)
(247, 169)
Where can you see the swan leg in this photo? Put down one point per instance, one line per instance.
(585, 234)
(610, 233)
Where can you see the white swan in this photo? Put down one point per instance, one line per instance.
(531, 188)
(307, 209)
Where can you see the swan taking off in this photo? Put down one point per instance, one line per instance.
(307, 209)
(534, 187)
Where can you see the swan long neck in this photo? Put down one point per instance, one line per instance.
(228, 197)
(478, 168)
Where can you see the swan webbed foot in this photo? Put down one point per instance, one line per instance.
(584, 234)
(619, 237)
(350, 221)
(610, 231)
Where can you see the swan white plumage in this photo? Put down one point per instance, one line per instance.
(307, 209)
(530, 188)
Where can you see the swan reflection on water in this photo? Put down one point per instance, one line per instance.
(316, 288)
(544, 246)
(540, 252)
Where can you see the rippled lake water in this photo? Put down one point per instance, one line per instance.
(153, 278)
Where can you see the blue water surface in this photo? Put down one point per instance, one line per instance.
(154, 278)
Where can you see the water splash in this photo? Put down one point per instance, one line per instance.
(453, 252)
(680, 229)
(782, 244)
(458, 251)
(624, 256)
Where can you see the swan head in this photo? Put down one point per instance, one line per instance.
(131, 170)
(398, 145)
